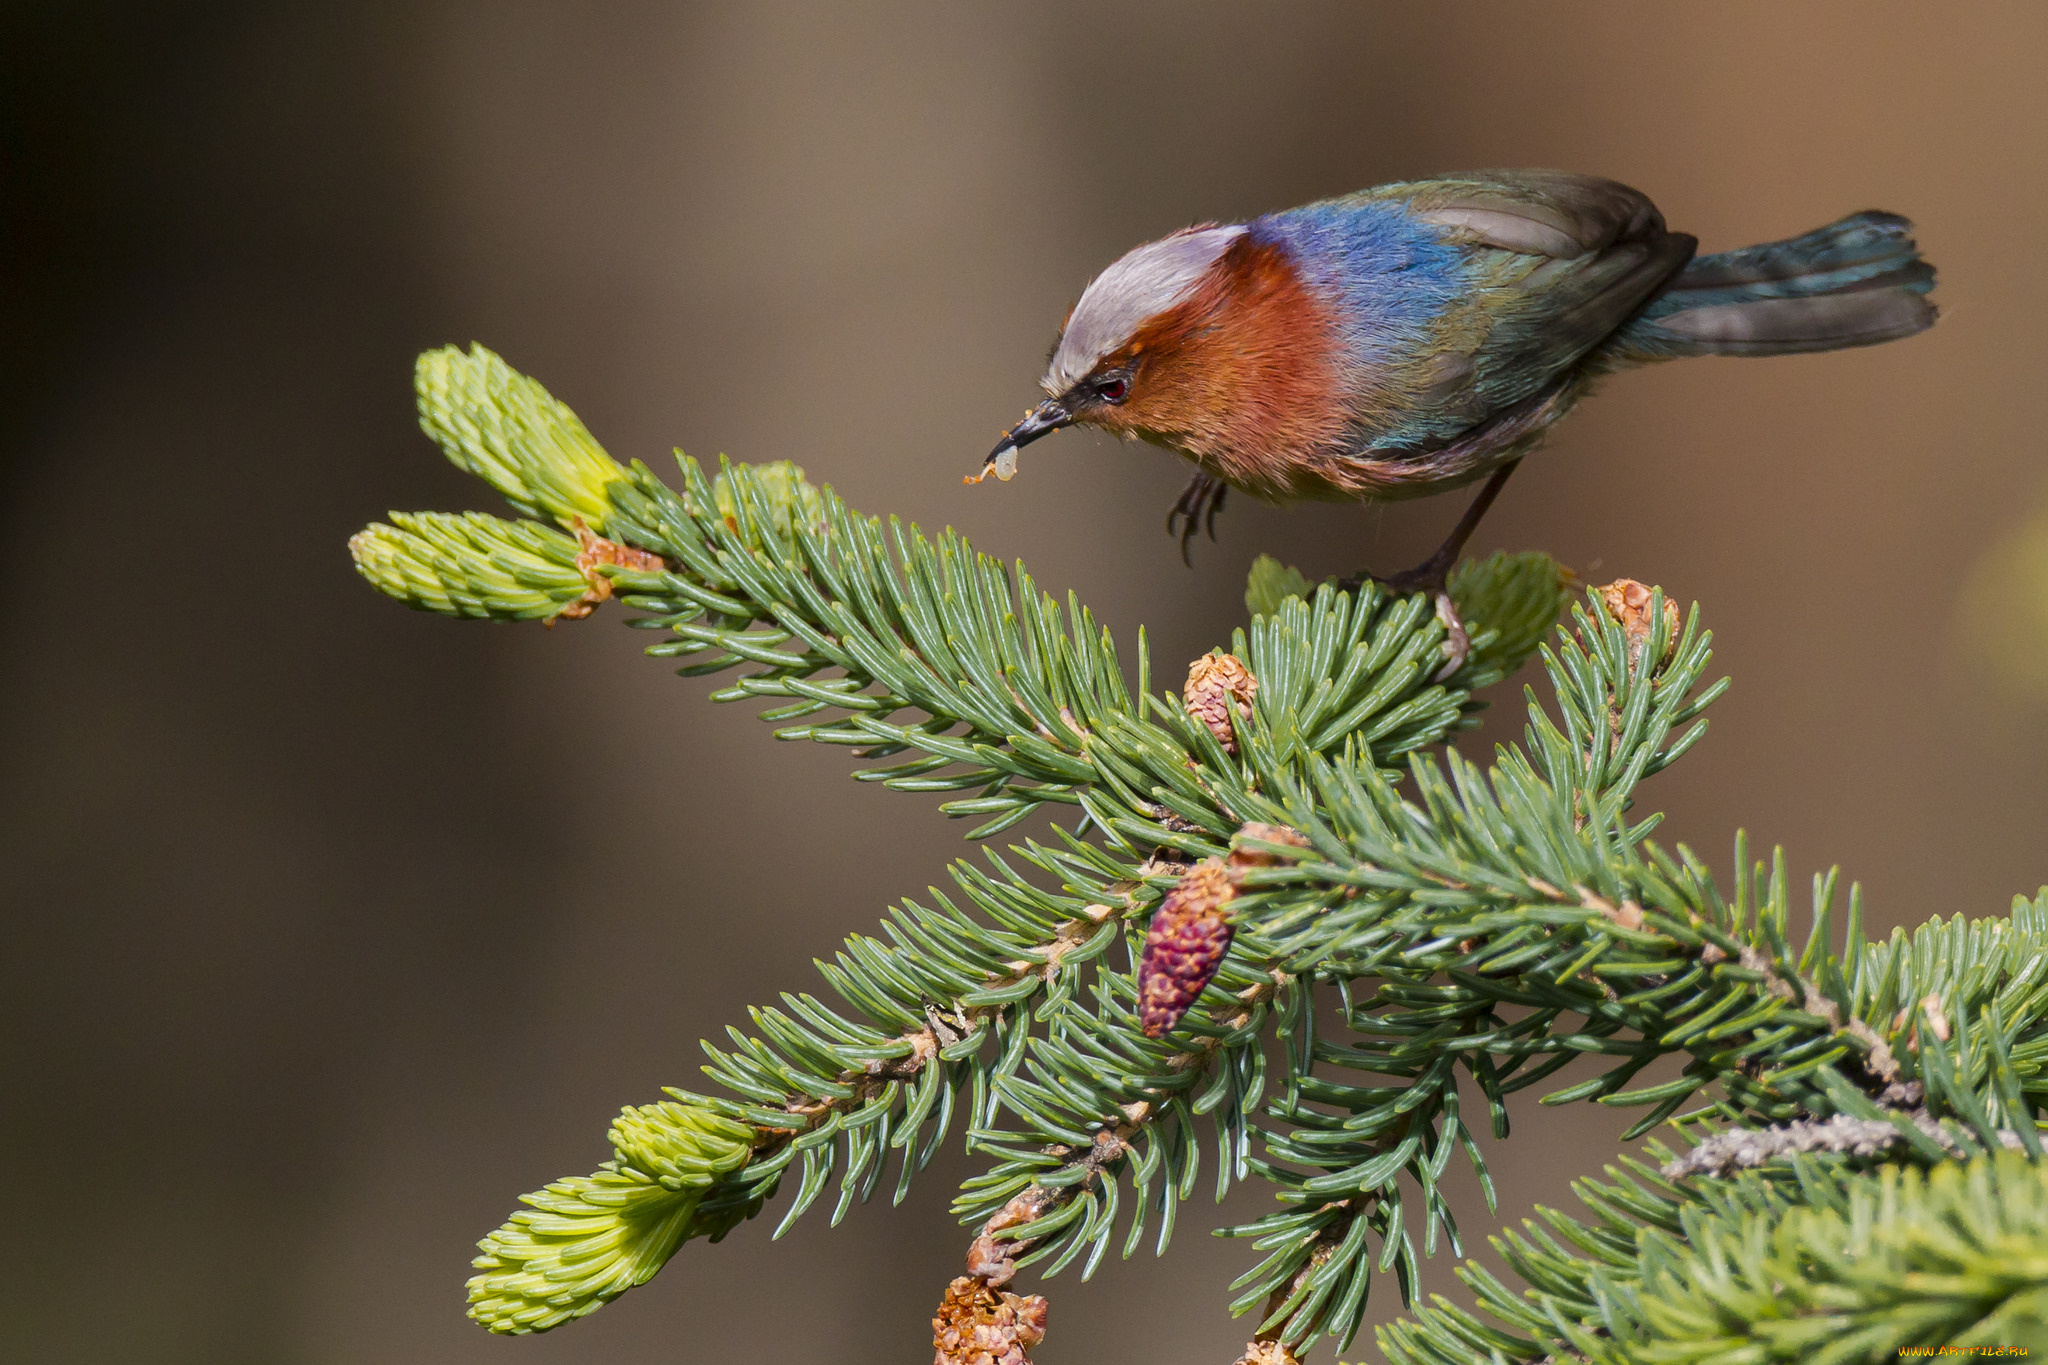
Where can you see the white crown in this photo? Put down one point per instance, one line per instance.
(1144, 283)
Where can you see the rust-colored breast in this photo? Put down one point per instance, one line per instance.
(1243, 376)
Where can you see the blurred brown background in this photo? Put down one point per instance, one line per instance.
(331, 927)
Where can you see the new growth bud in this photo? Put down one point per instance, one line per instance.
(680, 1145)
(510, 432)
(471, 564)
(583, 1241)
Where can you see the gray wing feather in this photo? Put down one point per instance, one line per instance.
(1543, 213)
(1558, 262)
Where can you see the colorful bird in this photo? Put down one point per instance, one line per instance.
(1421, 336)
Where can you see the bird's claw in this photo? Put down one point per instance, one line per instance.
(1433, 574)
(1198, 503)
(1457, 642)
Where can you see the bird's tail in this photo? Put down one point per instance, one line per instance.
(1852, 283)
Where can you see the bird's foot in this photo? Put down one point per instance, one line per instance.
(1430, 576)
(1433, 575)
(1197, 507)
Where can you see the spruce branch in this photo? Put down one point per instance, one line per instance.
(1104, 1010)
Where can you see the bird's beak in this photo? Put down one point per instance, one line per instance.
(1050, 415)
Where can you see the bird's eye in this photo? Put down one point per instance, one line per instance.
(1113, 390)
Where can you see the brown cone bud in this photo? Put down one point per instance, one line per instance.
(977, 1325)
(1628, 602)
(1184, 945)
(1219, 691)
(597, 550)
(1242, 858)
(991, 1258)
(1267, 1353)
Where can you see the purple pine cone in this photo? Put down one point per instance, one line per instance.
(1189, 935)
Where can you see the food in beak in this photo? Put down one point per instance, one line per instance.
(1002, 464)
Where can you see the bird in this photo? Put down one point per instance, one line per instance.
(1423, 336)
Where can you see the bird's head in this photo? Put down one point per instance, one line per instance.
(1208, 342)
(1120, 341)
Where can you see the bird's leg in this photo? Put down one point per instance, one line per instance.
(1198, 504)
(1433, 573)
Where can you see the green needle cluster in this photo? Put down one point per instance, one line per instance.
(1811, 1262)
